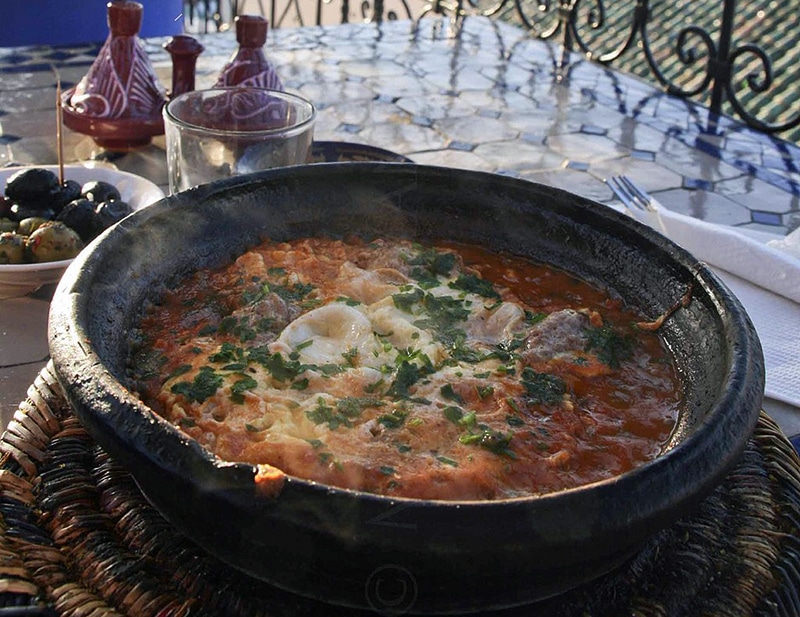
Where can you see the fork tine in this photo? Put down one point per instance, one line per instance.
(629, 193)
(637, 192)
(621, 191)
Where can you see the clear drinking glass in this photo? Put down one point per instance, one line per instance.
(223, 132)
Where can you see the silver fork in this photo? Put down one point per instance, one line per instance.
(630, 193)
(638, 201)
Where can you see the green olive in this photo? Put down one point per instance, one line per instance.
(12, 248)
(7, 224)
(53, 241)
(29, 225)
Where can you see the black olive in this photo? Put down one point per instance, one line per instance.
(99, 191)
(5, 206)
(69, 191)
(109, 212)
(20, 212)
(32, 186)
(80, 216)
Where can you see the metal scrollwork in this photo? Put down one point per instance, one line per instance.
(689, 56)
(696, 63)
(377, 11)
(758, 84)
(710, 61)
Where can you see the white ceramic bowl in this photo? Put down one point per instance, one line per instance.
(20, 279)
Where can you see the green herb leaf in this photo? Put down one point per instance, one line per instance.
(395, 419)
(353, 406)
(449, 394)
(407, 375)
(281, 368)
(204, 385)
(181, 370)
(490, 439)
(407, 301)
(474, 284)
(433, 262)
(453, 413)
(612, 347)
(542, 388)
(484, 391)
(239, 387)
(447, 461)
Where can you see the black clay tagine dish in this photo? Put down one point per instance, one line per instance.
(397, 555)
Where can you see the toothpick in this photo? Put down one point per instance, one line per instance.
(59, 139)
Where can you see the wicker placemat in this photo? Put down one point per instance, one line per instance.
(78, 539)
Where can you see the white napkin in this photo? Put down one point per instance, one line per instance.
(764, 276)
(766, 265)
(790, 244)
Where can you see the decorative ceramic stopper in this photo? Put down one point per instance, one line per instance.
(121, 81)
(183, 50)
(118, 102)
(249, 66)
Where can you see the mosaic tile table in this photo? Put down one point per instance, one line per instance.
(491, 98)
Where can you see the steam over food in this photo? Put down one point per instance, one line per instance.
(444, 372)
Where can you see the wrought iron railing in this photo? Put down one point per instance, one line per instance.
(740, 58)
(694, 49)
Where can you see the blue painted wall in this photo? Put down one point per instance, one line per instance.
(56, 22)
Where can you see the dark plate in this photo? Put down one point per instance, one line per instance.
(345, 152)
(406, 555)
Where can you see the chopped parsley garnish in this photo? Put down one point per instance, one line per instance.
(459, 350)
(325, 414)
(474, 284)
(449, 394)
(281, 368)
(299, 384)
(407, 375)
(343, 413)
(611, 346)
(515, 421)
(432, 263)
(395, 419)
(241, 386)
(484, 391)
(228, 352)
(181, 370)
(447, 461)
(374, 387)
(506, 352)
(542, 388)
(352, 406)
(405, 301)
(532, 318)
(203, 386)
(350, 356)
(490, 439)
(453, 413)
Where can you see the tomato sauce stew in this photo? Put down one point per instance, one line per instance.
(437, 372)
